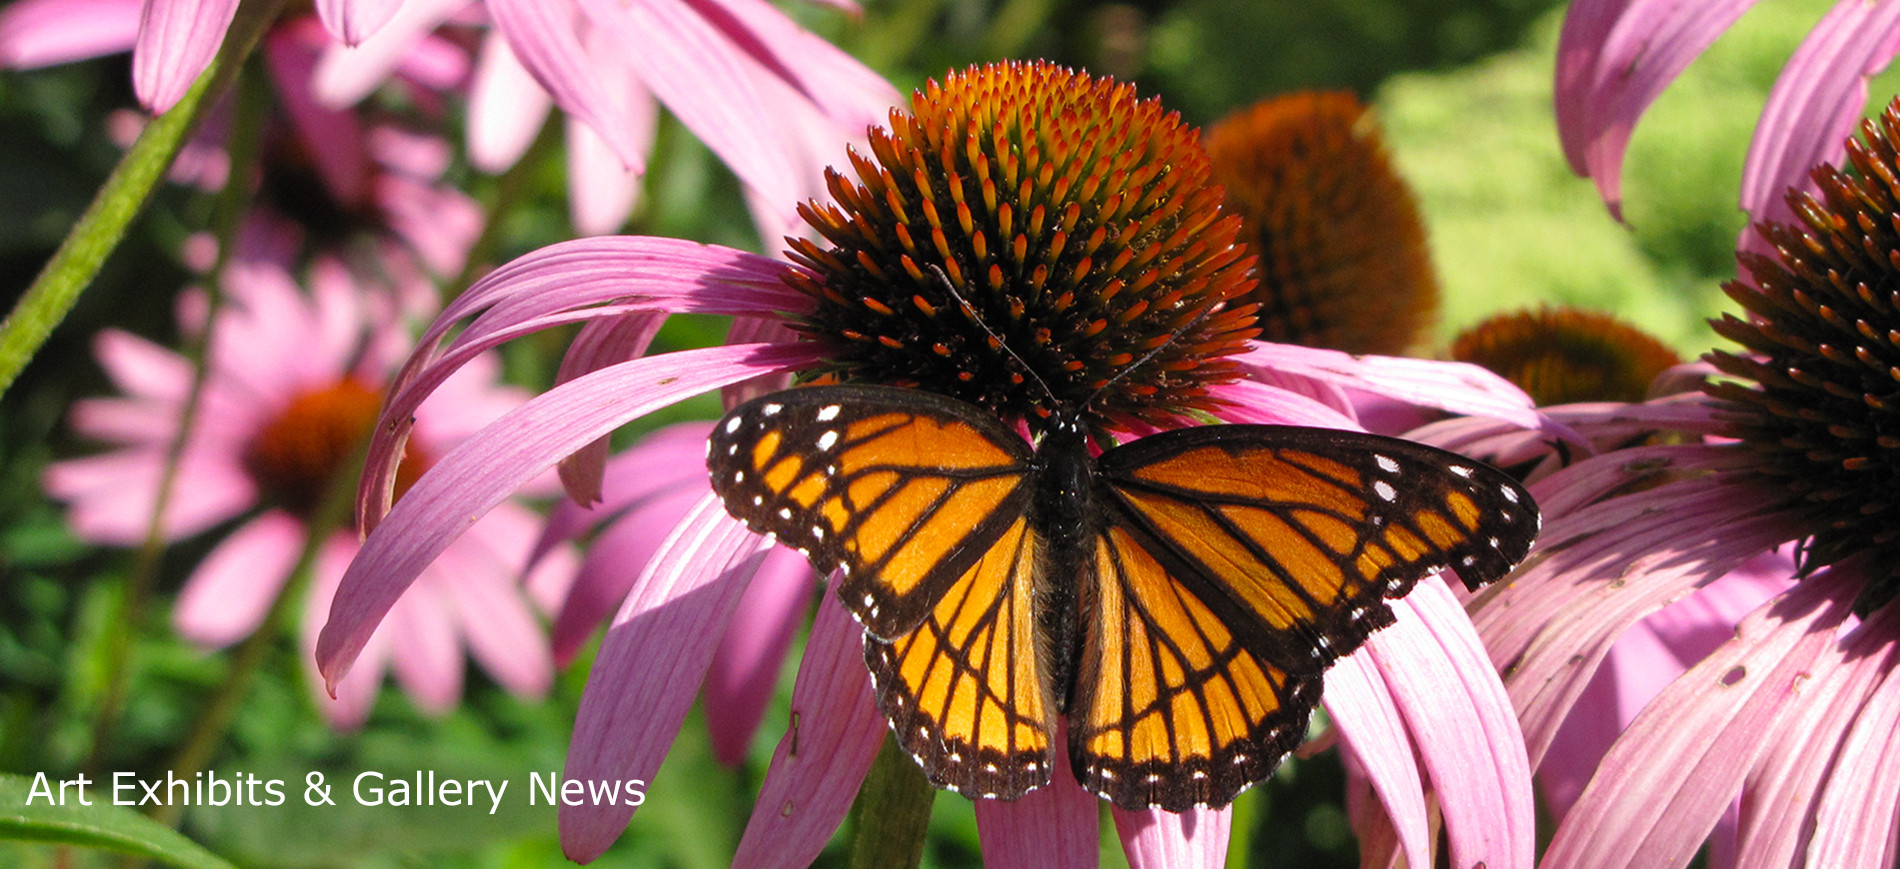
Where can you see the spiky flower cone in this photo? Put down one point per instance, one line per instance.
(1823, 352)
(1028, 223)
(1564, 355)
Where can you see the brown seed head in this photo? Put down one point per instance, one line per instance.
(1028, 222)
(1343, 261)
(1564, 355)
(1822, 347)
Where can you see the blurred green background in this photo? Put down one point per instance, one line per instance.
(1462, 87)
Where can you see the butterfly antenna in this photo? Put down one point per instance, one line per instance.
(970, 311)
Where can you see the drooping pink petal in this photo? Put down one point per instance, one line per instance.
(1855, 823)
(841, 86)
(227, 596)
(499, 625)
(756, 330)
(1782, 790)
(1175, 840)
(176, 42)
(751, 652)
(558, 284)
(601, 190)
(613, 563)
(1052, 827)
(1815, 103)
(1464, 725)
(141, 368)
(506, 107)
(1665, 783)
(1252, 402)
(347, 73)
(1363, 709)
(356, 20)
(1454, 386)
(1624, 53)
(37, 33)
(833, 737)
(542, 34)
(659, 462)
(484, 469)
(651, 664)
(600, 343)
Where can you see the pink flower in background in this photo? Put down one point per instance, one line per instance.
(1425, 678)
(294, 381)
(773, 101)
(1616, 56)
(172, 41)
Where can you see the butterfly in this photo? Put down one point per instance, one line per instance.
(1176, 598)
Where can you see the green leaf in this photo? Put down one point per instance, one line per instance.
(99, 825)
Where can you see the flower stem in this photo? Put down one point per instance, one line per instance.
(892, 812)
(124, 194)
(233, 202)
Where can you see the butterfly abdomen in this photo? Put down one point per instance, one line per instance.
(1065, 515)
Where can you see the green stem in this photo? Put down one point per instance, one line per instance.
(124, 194)
(233, 202)
(221, 708)
(892, 812)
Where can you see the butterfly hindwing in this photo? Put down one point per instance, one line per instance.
(1171, 707)
(1310, 530)
(900, 489)
(966, 692)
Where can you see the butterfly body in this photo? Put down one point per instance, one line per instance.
(1175, 599)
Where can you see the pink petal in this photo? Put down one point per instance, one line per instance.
(141, 368)
(506, 107)
(114, 495)
(1855, 821)
(1363, 709)
(37, 33)
(659, 462)
(484, 469)
(703, 79)
(1253, 402)
(499, 624)
(601, 190)
(542, 34)
(1614, 58)
(227, 596)
(1665, 783)
(614, 562)
(426, 651)
(356, 20)
(844, 89)
(1454, 386)
(347, 73)
(756, 330)
(602, 342)
(834, 735)
(553, 286)
(336, 141)
(1816, 101)
(751, 653)
(1169, 840)
(176, 42)
(1466, 731)
(1054, 826)
(651, 664)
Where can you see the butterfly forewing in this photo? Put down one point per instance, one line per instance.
(1171, 708)
(1298, 535)
(900, 489)
(966, 693)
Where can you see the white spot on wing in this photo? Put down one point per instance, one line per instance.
(1509, 493)
(1460, 470)
(827, 440)
(772, 409)
(828, 413)
(1385, 490)
(732, 425)
(1386, 463)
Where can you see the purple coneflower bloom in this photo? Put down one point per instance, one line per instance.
(1013, 174)
(1790, 724)
(1616, 56)
(292, 386)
